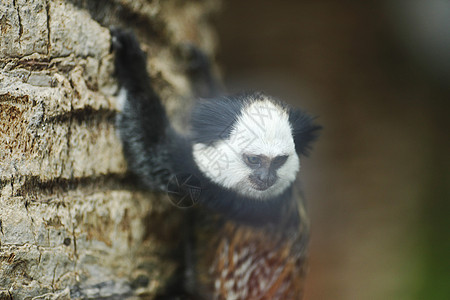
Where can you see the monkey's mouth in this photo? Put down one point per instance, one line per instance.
(260, 188)
(260, 185)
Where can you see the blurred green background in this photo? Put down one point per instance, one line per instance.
(377, 73)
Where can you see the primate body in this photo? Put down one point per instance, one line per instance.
(249, 229)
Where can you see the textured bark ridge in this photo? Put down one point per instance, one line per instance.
(72, 223)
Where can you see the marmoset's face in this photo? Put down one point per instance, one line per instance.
(258, 159)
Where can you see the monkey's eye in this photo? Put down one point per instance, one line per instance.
(252, 160)
(279, 161)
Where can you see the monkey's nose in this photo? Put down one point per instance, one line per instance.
(266, 180)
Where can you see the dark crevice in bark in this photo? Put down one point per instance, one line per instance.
(87, 114)
(20, 22)
(38, 190)
(48, 27)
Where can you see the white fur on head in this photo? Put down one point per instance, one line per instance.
(263, 128)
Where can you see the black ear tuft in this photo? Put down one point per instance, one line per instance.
(303, 130)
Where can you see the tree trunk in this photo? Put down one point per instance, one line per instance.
(72, 223)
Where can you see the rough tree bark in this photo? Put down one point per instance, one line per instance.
(72, 223)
